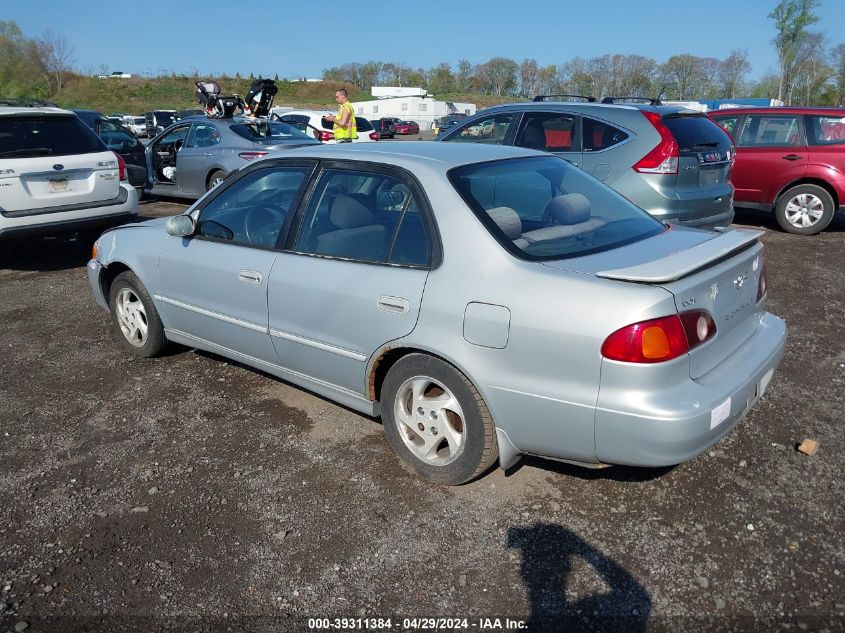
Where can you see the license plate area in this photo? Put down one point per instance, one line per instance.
(59, 185)
(709, 176)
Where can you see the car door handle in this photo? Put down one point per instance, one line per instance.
(394, 304)
(207, 154)
(251, 277)
(791, 157)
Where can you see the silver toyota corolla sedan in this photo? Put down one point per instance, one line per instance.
(486, 302)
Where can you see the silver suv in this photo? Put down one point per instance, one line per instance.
(673, 162)
(57, 176)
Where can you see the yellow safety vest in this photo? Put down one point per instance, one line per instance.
(345, 132)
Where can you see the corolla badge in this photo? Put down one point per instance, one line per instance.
(714, 290)
(58, 166)
(740, 280)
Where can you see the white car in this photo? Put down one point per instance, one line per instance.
(136, 124)
(56, 176)
(312, 122)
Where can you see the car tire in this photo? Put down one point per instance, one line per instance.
(136, 321)
(216, 177)
(805, 210)
(436, 421)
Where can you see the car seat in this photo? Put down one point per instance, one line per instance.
(534, 136)
(355, 235)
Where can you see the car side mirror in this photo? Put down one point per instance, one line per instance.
(180, 226)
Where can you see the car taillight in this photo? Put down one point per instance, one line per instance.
(664, 158)
(121, 166)
(762, 285)
(374, 136)
(659, 340)
(326, 136)
(251, 155)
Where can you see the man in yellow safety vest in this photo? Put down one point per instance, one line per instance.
(345, 128)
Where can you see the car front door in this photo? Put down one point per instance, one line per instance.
(494, 129)
(161, 159)
(214, 283)
(771, 152)
(352, 277)
(200, 149)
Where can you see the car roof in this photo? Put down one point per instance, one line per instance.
(779, 109)
(8, 111)
(411, 154)
(588, 105)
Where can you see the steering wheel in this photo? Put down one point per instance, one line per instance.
(263, 224)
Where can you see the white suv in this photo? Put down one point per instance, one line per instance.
(56, 176)
(312, 122)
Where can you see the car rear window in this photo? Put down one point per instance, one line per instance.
(268, 131)
(23, 136)
(362, 125)
(696, 133)
(826, 130)
(544, 208)
(165, 118)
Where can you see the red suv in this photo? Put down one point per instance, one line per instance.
(790, 161)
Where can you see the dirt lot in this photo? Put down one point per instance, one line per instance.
(187, 493)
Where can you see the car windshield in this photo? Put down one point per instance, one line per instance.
(544, 208)
(26, 136)
(269, 131)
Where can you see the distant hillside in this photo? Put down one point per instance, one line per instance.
(137, 95)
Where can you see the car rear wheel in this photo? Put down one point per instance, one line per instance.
(136, 320)
(436, 421)
(804, 210)
(215, 179)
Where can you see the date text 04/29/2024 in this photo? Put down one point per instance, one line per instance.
(417, 623)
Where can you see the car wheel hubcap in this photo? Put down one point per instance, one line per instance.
(216, 181)
(430, 421)
(804, 210)
(131, 317)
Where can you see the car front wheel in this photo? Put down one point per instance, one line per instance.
(436, 421)
(136, 321)
(804, 210)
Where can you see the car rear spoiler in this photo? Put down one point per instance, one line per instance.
(686, 262)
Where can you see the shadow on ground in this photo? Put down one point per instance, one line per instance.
(550, 555)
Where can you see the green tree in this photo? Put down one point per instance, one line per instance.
(791, 17)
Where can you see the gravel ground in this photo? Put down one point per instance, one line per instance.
(190, 493)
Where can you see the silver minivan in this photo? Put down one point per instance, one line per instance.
(673, 162)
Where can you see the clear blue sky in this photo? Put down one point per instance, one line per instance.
(297, 38)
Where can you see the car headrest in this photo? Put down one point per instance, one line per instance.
(389, 198)
(570, 208)
(348, 213)
(508, 220)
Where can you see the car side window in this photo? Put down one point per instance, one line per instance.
(770, 130)
(825, 130)
(599, 135)
(175, 135)
(728, 123)
(203, 135)
(549, 131)
(366, 217)
(491, 129)
(117, 139)
(252, 211)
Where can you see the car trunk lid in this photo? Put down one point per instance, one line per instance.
(52, 160)
(715, 272)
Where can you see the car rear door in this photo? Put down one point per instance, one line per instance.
(351, 279)
(555, 132)
(771, 152)
(202, 147)
(50, 161)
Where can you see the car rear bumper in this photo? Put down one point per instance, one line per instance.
(673, 423)
(59, 220)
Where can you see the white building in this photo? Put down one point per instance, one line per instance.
(409, 104)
